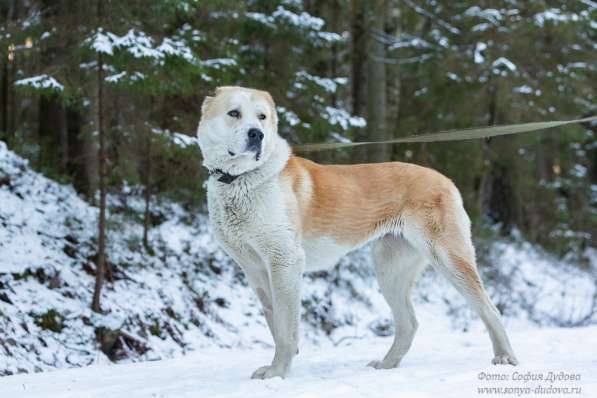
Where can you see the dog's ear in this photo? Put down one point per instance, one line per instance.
(206, 103)
(270, 100)
(221, 89)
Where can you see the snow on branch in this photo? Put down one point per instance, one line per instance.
(303, 20)
(41, 82)
(502, 65)
(139, 45)
(123, 76)
(490, 14)
(434, 18)
(290, 117)
(219, 63)
(329, 85)
(283, 17)
(337, 116)
(179, 139)
(556, 16)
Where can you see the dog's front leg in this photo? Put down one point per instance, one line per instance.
(285, 273)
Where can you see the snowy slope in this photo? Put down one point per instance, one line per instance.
(441, 364)
(185, 295)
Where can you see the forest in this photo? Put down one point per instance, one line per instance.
(99, 106)
(337, 70)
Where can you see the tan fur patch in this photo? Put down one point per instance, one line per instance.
(468, 270)
(351, 202)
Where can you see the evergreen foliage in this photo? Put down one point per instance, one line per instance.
(441, 65)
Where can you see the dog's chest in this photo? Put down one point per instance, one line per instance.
(232, 215)
(239, 214)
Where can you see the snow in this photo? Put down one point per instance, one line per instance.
(339, 138)
(337, 116)
(218, 63)
(482, 27)
(479, 48)
(579, 171)
(282, 17)
(406, 40)
(502, 66)
(329, 85)
(554, 15)
(116, 77)
(524, 89)
(431, 16)
(140, 45)
(125, 77)
(186, 300)
(290, 117)
(491, 14)
(453, 76)
(502, 61)
(441, 363)
(329, 37)
(41, 82)
(175, 48)
(303, 20)
(180, 139)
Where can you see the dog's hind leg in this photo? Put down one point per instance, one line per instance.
(458, 265)
(447, 243)
(397, 266)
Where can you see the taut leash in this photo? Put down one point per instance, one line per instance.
(449, 135)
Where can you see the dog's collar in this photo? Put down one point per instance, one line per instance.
(225, 177)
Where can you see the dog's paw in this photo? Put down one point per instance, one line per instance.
(267, 372)
(505, 359)
(384, 364)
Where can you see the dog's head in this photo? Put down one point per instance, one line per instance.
(238, 129)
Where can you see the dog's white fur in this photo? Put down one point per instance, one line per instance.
(283, 215)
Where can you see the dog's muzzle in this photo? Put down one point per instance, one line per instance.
(254, 141)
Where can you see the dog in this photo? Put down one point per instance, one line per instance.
(278, 215)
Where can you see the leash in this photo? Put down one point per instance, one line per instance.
(449, 135)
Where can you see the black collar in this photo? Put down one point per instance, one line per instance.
(225, 177)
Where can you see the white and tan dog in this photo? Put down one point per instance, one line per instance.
(278, 215)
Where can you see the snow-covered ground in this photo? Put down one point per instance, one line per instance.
(442, 363)
(184, 299)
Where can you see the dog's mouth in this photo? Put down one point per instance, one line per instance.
(256, 148)
(249, 151)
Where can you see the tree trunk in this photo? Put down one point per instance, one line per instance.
(4, 98)
(10, 10)
(359, 56)
(497, 197)
(76, 161)
(377, 84)
(394, 78)
(12, 100)
(333, 65)
(147, 183)
(51, 132)
(485, 154)
(358, 69)
(101, 245)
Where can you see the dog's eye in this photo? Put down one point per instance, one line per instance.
(234, 113)
(261, 116)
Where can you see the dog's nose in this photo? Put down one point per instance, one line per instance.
(255, 135)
